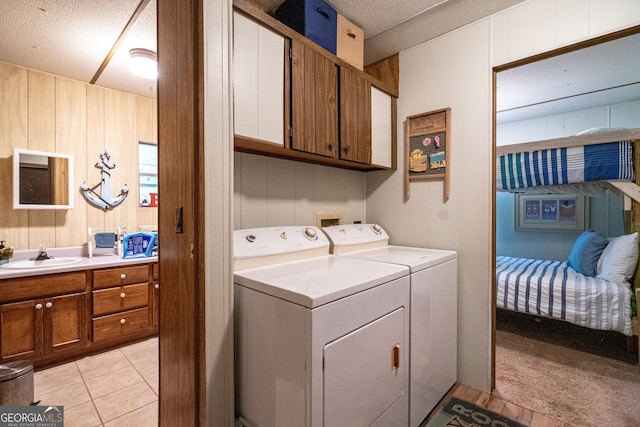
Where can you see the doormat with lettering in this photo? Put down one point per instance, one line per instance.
(460, 413)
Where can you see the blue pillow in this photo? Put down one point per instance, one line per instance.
(586, 251)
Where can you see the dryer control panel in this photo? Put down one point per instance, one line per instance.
(261, 246)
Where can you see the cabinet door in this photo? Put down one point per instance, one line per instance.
(65, 322)
(258, 81)
(366, 366)
(22, 334)
(314, 102)
(355, 117)
(381, 128)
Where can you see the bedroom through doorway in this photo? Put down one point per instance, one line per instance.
(561, 302)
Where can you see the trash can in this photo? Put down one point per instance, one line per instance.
(16, 383)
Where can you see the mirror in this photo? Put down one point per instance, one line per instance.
(42, 180)
(148, 174)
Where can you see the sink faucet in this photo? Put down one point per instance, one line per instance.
(5, 252)
(42, 248)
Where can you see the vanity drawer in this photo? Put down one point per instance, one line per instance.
(120, 298)
(114, 326)
(42, 286)
(120, 276)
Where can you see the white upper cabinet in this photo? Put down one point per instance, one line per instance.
(258, 81)
(381, 132)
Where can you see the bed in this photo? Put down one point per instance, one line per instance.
(575, 290)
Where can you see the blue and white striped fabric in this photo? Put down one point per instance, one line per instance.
(556, 166)
(553, 289)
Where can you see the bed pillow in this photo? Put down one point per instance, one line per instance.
(585, 252)
(619, 259)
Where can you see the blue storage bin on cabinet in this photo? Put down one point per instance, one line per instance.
(314, 19)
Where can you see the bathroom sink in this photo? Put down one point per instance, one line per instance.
(45, 263)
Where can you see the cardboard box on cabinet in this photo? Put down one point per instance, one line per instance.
(350, 42)
(314, 19)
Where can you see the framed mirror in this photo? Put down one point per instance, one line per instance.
(42, 180)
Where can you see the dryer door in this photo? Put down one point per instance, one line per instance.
(365, 374)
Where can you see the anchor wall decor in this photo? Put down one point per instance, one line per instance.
(104, 199)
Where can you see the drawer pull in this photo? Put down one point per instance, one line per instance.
(122, 295)
(49, 305)
(123, 276)
(157, 286)
(123, 321)
(38, 306)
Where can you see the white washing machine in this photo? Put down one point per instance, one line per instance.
(433, 324)
(321, 340)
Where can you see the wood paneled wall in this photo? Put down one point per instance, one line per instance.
(45, 112)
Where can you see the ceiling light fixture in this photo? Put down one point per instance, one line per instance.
(143, 63)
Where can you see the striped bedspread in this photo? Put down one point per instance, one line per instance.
(613, 160)
(553, 289)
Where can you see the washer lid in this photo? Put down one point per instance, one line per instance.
(415, 258)
(317, 281)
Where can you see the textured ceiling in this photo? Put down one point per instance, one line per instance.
(73, 38)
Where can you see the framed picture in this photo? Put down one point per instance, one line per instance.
(427, 142)
(551, 212)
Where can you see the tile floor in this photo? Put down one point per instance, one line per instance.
(115, 388)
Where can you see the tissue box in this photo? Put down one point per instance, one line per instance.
(314, 19)
(350, 43)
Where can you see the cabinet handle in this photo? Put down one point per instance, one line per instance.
(122, 276)
(49, 305)
(157, 286)
(122, 295)
(330, 146)
(38, 306)
(123, 321)
(347, 149)
(395, 358)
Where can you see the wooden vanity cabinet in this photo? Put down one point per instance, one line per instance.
(37, 325)
(122, 301)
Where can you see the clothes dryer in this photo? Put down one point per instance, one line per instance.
(433, 317)
(321, 340)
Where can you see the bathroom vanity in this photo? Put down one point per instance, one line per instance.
(63, 311)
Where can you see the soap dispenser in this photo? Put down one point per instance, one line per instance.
(5, 253)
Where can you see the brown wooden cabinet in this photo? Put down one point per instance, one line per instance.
(56, 317)
(44, 324)
(355, 116)
(122, 301)
(314, 102)
(327, 103)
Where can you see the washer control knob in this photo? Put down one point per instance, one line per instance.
(310, 233)
(251, 238)
(376, 228)
(283, 235)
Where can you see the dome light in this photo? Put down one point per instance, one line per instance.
(143, 63)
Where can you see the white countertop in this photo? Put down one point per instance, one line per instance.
(100, 259)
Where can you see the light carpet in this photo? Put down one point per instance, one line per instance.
(572, 386)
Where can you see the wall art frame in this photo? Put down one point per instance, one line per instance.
(427, 149)
(551, 212)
